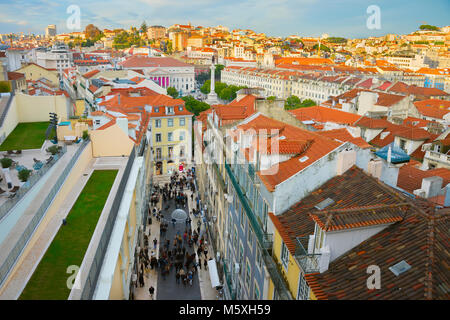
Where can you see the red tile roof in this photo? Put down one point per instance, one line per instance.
(323, 114)
(344, 136)
(433, 108)
(318, 147)
(90, 74)
(410, 177)
(354, 193)
(148, 62)
(420, 239)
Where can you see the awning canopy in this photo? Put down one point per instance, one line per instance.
(213, 275)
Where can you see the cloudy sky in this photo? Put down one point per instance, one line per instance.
(345, 18)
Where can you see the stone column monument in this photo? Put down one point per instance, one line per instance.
(212, 96)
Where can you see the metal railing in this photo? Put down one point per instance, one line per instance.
(26, 235)
(228, 280)
(5, 111)
(264, 240)
(309, 262)
(32, 180)
(97, 262)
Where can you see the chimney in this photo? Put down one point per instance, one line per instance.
(346, 159)
(118, 98)
(447, 196)
(324, 260)
(432, 186)
(374, 168)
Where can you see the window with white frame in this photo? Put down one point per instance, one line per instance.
(158, 137)
(170, 122)
(182, 121)
(248, 273)
(250, 237)
(256, 292)
(303, 288)
(158, 123)
(284, 255)
(170, 136)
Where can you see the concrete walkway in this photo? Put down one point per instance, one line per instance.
(168, 289)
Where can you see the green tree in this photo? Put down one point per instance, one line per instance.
(143, 27)
(195, 106)
(226, 94)
(307, 103)
(171, 91)
(428, 27)
(219, 68)
(271, 98)
(322, 48)
(219, 86)
(205, 88)
(293, 102)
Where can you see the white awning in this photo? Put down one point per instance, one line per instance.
(213, 275)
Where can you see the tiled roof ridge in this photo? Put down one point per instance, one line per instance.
(361, 208)
(329, 223)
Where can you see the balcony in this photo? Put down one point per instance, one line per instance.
(309, 262)
(437, 156)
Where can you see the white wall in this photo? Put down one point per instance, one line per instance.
(343, 241)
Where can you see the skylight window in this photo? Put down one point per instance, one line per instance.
(303, 159)
(325, 203)
(400, 268)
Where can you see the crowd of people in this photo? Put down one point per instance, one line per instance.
(176, 254)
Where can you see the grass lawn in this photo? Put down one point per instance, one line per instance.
(26, 136)
(69, 246)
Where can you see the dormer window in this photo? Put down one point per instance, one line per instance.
(180, 108)
(156, 109)
(169, 110)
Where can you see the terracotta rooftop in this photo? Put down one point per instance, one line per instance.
(410, 177)
(343, 135)
(148, 62)
(318, 147)
(323, 114)
(420, 239)
(354, 194)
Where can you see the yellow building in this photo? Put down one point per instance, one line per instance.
(289, 267)
(35, 72)
(195, 41)
(171, 128)
(121, 257)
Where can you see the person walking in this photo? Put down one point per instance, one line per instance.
(205, 252)
(190, 277)
(141, 279)
(155, 242)
(151, 290)
(177, 277)
(200, 263)
(205, 264)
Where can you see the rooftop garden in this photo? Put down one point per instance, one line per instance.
(49, 280)
(26, 136)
